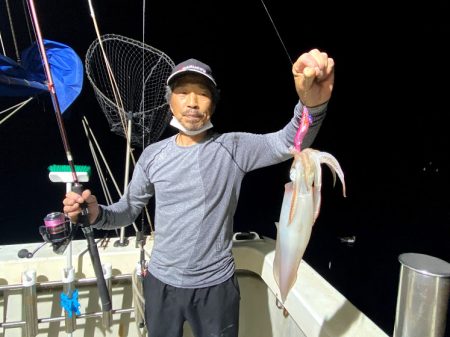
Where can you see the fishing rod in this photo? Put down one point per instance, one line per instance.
(54, 224)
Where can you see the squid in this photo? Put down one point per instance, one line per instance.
(300, 207)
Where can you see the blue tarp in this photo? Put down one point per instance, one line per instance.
(28, 78)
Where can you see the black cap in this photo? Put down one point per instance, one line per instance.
(191, 66)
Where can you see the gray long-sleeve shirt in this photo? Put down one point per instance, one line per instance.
(196, 192)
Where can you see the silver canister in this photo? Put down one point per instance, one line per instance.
(423, 296)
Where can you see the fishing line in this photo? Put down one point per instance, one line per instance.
(143, 118)
(97, 165)
(276, 30)
(104, 186)
(91, 138)
(114, 86)
(143, 72)
(27, 20)
(19, 106)
(125, 118)
(296, 141)
(12, 30)
(3, 46)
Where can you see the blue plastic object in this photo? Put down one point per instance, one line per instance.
(28, 78)
(70, 303)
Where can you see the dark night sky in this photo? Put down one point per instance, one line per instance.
(386, 124)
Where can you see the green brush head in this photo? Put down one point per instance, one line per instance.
(66, 168)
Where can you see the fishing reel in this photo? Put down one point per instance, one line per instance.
(58, 231)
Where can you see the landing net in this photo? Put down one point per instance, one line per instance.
(130, 84)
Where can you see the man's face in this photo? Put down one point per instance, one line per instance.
(191, 101)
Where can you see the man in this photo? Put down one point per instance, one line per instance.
(196, 177)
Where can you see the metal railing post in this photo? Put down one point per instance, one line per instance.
(107, 274)
(68, 288)
(29, 302)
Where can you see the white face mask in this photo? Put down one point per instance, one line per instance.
(175, 123)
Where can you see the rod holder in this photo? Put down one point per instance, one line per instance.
(29, 302)
(423, 296)
(137, 287)
(107, 274)
(68, 288)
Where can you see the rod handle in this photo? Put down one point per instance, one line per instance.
(83, 218)
(95, 258)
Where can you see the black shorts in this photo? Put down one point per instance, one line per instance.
(210, 311)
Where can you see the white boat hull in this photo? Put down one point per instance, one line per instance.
(315, 308)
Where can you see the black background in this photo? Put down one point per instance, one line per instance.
(386, 123)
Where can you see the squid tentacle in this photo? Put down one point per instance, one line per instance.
(335, 168)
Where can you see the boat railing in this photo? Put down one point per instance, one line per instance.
(30, 292)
